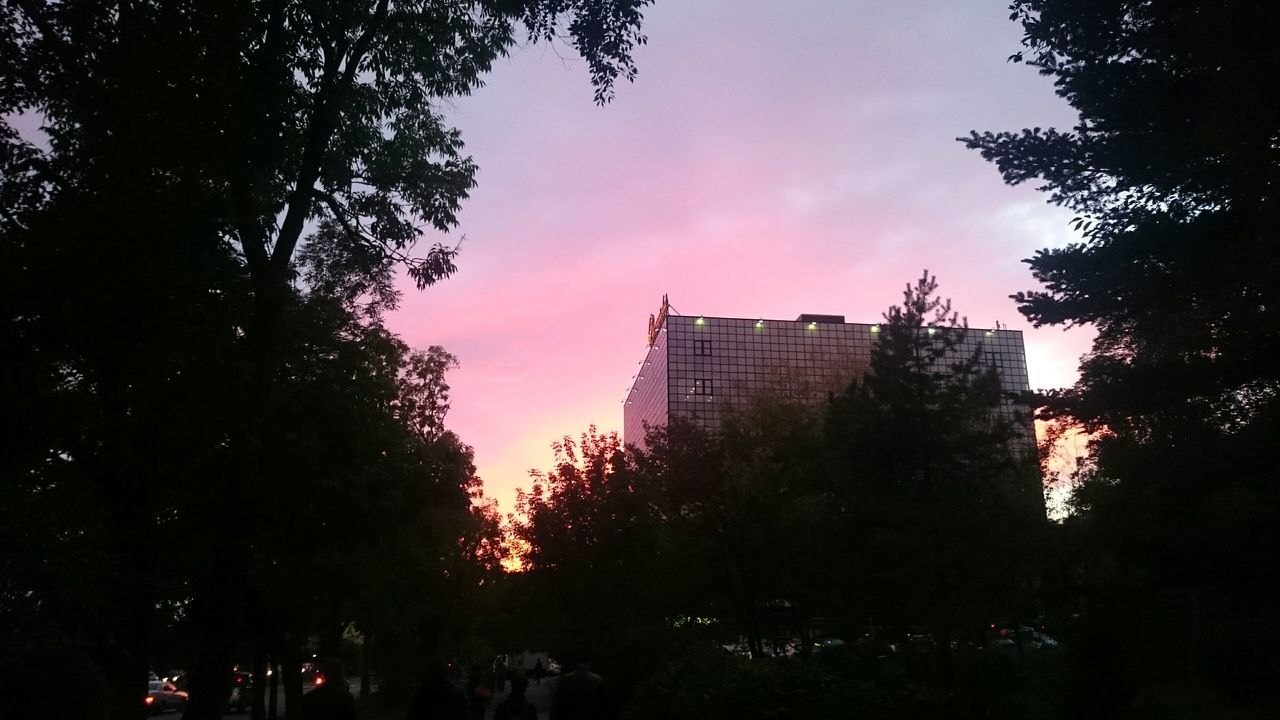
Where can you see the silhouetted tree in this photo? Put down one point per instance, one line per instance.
(939, 488)
(749, 516)
(1172, 170)
(122, 381)
(592, 532)
(151, 242)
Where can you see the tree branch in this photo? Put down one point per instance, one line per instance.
(323, 124)
(35, 13)
(340, 214)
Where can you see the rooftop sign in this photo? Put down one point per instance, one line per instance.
(655, 321)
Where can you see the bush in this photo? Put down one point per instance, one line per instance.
(710, 684)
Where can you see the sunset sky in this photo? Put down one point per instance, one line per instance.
(772, 158)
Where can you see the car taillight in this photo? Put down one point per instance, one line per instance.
(319, 680)
(150, 699)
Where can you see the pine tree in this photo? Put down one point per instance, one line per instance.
(941, 500)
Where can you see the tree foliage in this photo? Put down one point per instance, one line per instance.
(1171, 169)
(910, 498)
(280, 113)
(591, 530)
(196, 249)
(940, 492)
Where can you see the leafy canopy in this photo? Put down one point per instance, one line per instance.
(278, 113)
(1172, 170)
(933, 472)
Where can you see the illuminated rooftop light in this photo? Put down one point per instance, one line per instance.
(813, 326)
(700, 321)
(875, 328)
(760, 323)
(931, 331)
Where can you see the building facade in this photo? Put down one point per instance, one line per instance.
(702, 368)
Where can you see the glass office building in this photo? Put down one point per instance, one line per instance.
(702, 368)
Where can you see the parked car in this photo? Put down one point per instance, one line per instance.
(827, 644)
(311, 675)
(163, 696)
(241, 699)
(1011, 634)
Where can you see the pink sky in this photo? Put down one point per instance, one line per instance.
(772, 158)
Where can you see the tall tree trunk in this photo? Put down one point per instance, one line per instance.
(216, 608)
(942, 578)
(260, 683)
(331, 641)
(126, 669)
(292, 671)
(215, 636)
(272, 702)
(365, 681)
(906, 648)
(751, 623)
(948, 657)
(126, 661)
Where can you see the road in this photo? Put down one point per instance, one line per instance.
(538, 693)
(280, 707)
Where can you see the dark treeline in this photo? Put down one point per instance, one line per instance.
(1172, 170)
(904, 511)
(214, 452)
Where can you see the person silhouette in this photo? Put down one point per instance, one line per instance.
(332, 700)
(516, 706)
(478, 694)
(438, 698)
(538, 671)
(579, 695)
(500, 672)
